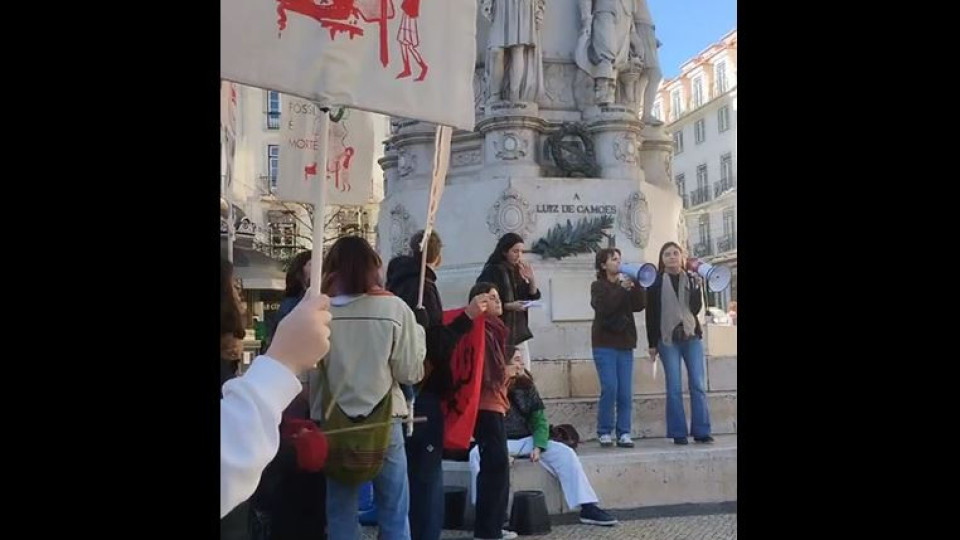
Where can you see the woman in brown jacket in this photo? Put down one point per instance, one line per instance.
(614, 298)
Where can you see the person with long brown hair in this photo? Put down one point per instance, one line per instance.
(236, 524)
(232, 329)
(377, 346)
(517, 283)
(673, 332)
(528, 434)
(614, 297)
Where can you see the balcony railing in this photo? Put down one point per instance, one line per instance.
(700, 195)
(723, 186)
(727, 242)
(273, 120)
(268, 185)
(703, 249)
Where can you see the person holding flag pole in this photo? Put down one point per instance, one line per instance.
(413, 279)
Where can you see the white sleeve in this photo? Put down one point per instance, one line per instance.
(250, 413)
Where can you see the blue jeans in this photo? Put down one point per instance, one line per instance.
(615, 370)
(390, 492)
(425, 470)
(692, 353)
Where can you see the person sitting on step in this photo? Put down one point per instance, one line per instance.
(528, 435)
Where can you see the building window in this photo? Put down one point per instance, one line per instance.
(726, 167)
(723, 118)
(675, 104)
(702, 176)
(729, 225)
(729, 240)
(697, 92)
(702, 193)
(721, 76)
(273, 164)
(700, 130)
(682, 190)
(273, 110)
(657, 111)
(678, 142)
(704, 230)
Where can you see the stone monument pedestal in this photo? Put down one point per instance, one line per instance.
(531, 168)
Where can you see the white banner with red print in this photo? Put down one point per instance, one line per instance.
(350, 155)
(405, 58)
(228, 140)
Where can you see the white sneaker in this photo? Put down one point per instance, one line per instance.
(606, 441)
(504, 534)
(625, 441)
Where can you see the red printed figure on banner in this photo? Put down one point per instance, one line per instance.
(308, 171)
(339, 169)
(409, 39)
(342, 16)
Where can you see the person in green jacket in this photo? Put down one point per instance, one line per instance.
(528, 435)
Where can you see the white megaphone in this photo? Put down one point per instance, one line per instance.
(644, 274)
(716, 277)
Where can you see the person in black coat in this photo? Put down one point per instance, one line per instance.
(425, 446)
(517, 284)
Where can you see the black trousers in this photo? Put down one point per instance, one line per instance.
(493, 482)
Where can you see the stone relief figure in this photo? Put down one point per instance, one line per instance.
(514, 63)
(617, 36)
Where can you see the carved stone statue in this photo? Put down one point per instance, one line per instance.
(514, 64)
(617, 38)
(644, 44)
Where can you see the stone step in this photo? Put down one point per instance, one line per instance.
(649, 414)
(655, 473)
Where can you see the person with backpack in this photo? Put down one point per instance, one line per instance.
(377, 347)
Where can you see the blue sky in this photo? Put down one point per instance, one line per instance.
(686, 27)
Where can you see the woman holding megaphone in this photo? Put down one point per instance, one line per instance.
(673, 332)
(614, 298)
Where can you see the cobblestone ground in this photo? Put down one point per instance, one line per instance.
(710, 527)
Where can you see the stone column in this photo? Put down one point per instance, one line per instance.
(616, 138)
(511, 138)
(656, 155)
